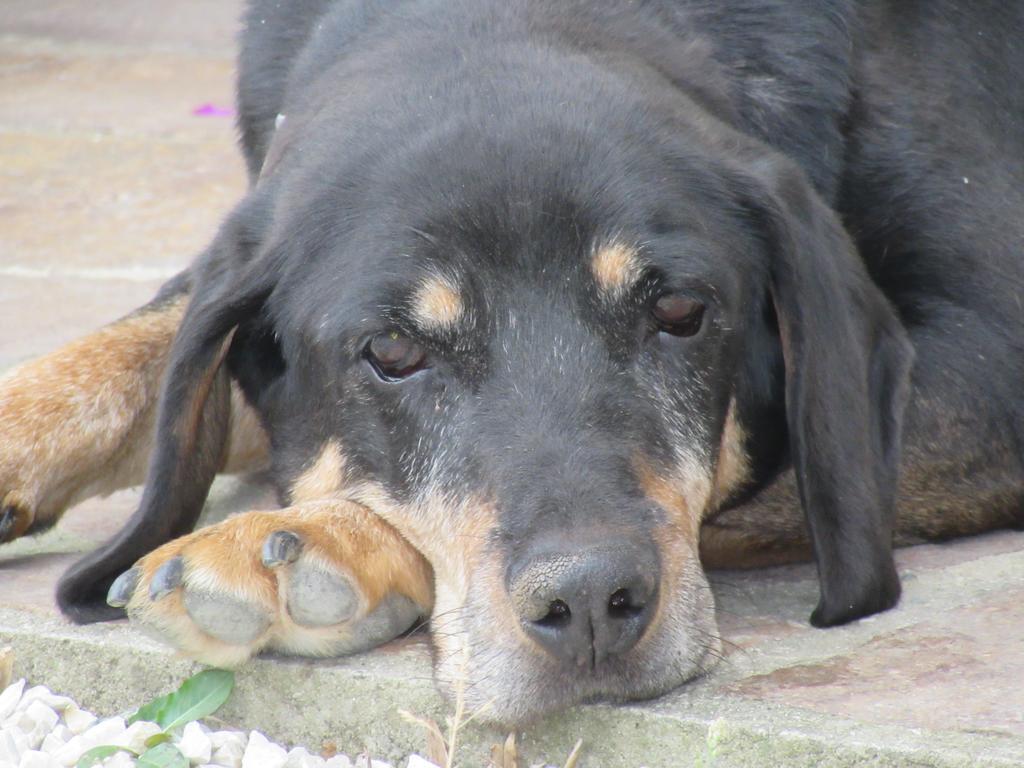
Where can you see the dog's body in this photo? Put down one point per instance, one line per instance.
(523, 294)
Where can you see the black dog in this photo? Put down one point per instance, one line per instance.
(526, 291)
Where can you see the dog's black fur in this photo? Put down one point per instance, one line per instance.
(840, 183)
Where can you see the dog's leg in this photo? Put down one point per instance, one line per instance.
(767, 530)
(318, 579)
(961, 471)
(78, 422)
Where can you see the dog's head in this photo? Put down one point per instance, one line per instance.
(542, 329)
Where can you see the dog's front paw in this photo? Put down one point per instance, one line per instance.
(321, 579)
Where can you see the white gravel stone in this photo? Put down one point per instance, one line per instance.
(32, 758)
(220, 738)
(301, 758)
(136, 735)
(69, 753)
(58, 737)
(229, 753)
(18, 721)
(32, 694)
(104, 732)
(46, 696)
(40, 729)
(10, 697)
(78, 720)
(365, 762)
(42, 714)
(10, 748)
(195, 744)
(51, 743)
(36, 736)
(42, 719)
(261, 753)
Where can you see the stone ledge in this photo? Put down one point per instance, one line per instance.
(935, 682)
(354, 703)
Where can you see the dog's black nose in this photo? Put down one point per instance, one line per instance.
(586, 606)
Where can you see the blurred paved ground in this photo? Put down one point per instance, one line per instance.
(109, 184)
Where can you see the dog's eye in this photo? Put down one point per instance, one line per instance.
(394, 356)
(678, 315)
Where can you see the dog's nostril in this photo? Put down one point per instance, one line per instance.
(558, 615)
(623, 604)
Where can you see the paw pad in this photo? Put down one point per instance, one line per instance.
(231, 621)
(319, 598)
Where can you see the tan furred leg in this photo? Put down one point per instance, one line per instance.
(79, 421)
(767, 530)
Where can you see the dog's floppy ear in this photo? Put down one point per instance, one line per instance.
(847, 363)
(228, 284)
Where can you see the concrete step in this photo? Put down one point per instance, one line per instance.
(936, 682)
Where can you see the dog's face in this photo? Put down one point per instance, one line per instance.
(532, 374)
(536, 345)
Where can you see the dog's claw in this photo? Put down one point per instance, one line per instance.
(167, 578)
(281, 548)
(123, 588)
(7, 520)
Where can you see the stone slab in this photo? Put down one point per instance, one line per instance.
(55, 88)
(934, 682)
(39, 313)
(96, 205)
(800, 697)
(184, 26)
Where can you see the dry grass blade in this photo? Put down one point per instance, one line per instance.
(437, 750)
(574, 756)
(6, 666)
(504, 755)
(456, 720)
(454, 723)
(441, 750)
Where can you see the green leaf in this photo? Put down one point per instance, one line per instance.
(158, 738)
(97, 755)
(163, 756)
(199, 696)
(151, 712)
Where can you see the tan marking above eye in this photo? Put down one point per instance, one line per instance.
(437, 304)
(616, 268)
